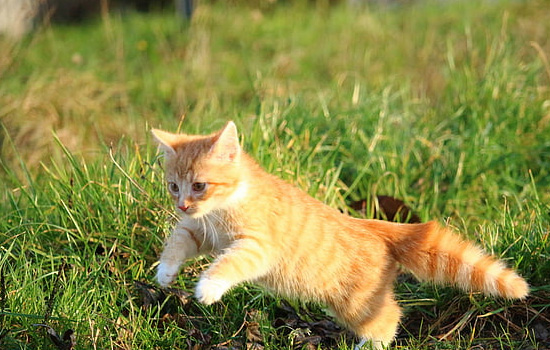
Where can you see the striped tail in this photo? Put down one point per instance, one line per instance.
(434, 253)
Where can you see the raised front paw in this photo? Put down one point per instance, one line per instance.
(166, 274)
(209, 291)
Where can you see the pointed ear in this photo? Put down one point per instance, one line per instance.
(227, 147)
(165, 140)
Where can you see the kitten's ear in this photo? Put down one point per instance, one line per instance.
(227, 147)
(165, 140)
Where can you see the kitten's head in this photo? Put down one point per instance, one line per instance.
(204, 173)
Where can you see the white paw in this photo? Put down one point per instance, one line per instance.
(166, 274)
(209, 291)
(368, 344)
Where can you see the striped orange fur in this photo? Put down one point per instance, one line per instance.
(264, 230)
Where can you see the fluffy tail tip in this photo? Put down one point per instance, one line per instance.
(517, 288)
(508, 285)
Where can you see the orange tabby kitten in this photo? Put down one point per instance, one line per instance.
(264, 230)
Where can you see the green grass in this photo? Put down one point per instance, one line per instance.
(446, 106)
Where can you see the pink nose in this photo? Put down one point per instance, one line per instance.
(183, 207)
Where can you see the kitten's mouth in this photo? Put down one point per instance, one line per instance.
(191, 211)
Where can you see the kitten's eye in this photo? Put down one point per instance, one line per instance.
(198, 186)
(173, 187)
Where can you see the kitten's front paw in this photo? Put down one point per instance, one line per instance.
(209, 291)
(166, 274)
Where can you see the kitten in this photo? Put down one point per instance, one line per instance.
(264, 230)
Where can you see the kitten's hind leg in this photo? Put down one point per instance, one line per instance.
(374, 319)
(379, 327)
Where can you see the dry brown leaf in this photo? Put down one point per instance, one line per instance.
(386, 208)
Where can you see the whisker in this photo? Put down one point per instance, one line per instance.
(204, 230)
(211, 231)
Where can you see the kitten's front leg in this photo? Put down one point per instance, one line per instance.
(246, 259)
(180, 246)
